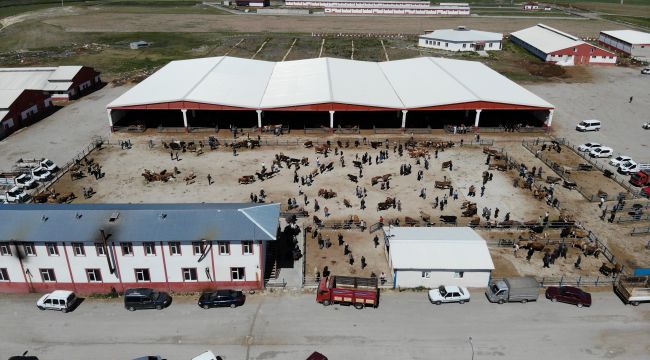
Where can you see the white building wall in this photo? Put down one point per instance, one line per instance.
(251, 263)
(43, 261)
(91, 260)
(12, 264)
(456, 46)
(128, 264)
(187, 259)
(413, 278)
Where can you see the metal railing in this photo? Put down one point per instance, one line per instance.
(95, 143)
(640, 231)
(576, 281)
(632, 218)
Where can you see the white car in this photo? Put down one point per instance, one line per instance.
(588, 146)
(602, 152)
(447, 294)
(41, 174)
(61, 300)
(619, 160)
(589, 125)
(646, 71)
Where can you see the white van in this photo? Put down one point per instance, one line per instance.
(588, 125)
(61, 300)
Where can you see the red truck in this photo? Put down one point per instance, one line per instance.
(348, 290)
(642, 178)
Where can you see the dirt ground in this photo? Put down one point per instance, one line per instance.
(359, 243)
(123, 182)
(106, 22)
(592, 182)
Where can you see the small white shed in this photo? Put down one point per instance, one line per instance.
(433, 256)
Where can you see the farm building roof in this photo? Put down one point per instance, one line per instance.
(7, 97)
(546, 38)
(255, 84)
(444, 248)
(633, 37)
(37, 78)
(139, 222)
(462, 35)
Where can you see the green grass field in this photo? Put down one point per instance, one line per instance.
(639, 21)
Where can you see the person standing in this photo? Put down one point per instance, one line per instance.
(209, 179)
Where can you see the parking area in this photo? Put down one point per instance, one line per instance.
(63, 134)
(605, 98)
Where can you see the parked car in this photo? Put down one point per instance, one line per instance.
(589, 125)
(569, 295)
(41, 174)
(24, 356)
(447, 294)
(61, 300)
(619, 160)
(145, 298)
(588, 146)
(645, 71)
(222, 298)
(601, 152)
(646, 126)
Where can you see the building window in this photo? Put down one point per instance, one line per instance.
(30, 250)
(5, 250)
(78, 249)
(52, 250)
(459, 274)
(127, 248)
(99, 248)
(446, 44)
(237, 273)
(189, 274)
(464, 46)
(94, 275)
(426, 274)
(489, 44)
(575, 49)
(591, 50)
(149, 248)
(4, 275)
(142, 275)
(224, 248)
(47, 275)
(174, 248)
(197, 248)
(247, 247)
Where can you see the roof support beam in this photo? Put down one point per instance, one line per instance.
(404, 118)
(259, 119)
(184, 111)
(477, 118)
(110, 119)
(549, 118)
(331, 120)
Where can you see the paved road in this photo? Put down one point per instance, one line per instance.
(405, 326)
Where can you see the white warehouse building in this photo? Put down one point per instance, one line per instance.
(434, 256)
(461, 39)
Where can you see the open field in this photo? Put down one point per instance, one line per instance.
(634, 20)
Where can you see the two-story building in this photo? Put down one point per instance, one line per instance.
(95, 248)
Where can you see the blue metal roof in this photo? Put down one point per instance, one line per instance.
(139, 222)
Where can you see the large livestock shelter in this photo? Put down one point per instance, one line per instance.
(433, 256)
(26, 94)
(424, 92)
(94, 248)
(555, 46)
(632, 42)
(461, 39)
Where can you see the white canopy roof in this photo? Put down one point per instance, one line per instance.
(256, 84)
(630, 36)
(546, 38)
(443, 248)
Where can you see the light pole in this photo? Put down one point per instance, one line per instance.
(472, 345)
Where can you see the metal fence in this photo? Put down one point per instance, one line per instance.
(95, 143)
(640, 231)
(632, 218)
(573, 281)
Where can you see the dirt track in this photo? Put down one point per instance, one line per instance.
(106, 22)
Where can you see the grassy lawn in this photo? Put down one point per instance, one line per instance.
(11, 8)
(639, 21)
(516, 12)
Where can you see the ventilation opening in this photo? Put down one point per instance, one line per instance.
(114, 217)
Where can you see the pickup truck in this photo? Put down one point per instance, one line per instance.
(633, 290)
(348, 290)
(448, 294)
(41, 174)
(25, 181)
(522, 289)
(47, 164)
(14, 195)
(642, 178)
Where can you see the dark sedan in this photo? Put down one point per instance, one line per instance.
(569, 295)
(221, 298)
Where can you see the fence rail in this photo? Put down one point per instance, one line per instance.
(95, 143)
(632, 218)
(574, 281)
(640, 231)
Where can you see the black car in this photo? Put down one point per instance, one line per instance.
(221, 298)
(144, 298)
